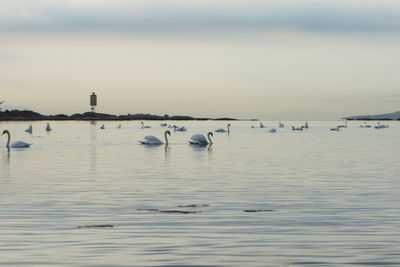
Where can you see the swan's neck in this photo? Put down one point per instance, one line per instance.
(209, 138)
(228, 127)
(166, 138)
(8, 141)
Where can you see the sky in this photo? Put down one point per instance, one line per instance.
(271, 60)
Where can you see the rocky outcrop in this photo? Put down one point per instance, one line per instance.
(28, 115)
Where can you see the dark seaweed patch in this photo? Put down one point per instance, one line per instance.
(96, 226)
(147, 209)
(193, 206)
(252, 210)
(178, 211)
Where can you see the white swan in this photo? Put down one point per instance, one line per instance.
(200, 140)
(29, 130)
(16, 144)
(222, 130)
(144, 126)
(154, 141)
(48, 128)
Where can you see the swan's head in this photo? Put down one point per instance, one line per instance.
(229, 124)
(210, 133)
(168, 132)
(5, 131)
(142, 122)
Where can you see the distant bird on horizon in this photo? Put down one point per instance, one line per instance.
(222, 130)
(297, 128)
(48, 128)
(29, 130)
(144, 126)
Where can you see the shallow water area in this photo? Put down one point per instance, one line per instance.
(85, 196)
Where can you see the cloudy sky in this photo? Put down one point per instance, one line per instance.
(278, 60)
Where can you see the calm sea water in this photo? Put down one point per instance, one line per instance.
(325, 197)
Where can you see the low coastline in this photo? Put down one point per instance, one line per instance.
(28, 115)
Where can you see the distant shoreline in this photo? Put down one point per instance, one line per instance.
(28, 115)
(380, 117)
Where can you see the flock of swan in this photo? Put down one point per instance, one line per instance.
(196, 139)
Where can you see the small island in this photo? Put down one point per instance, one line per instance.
(380, 117)
(28, 115)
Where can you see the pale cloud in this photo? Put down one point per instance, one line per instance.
(202, 16)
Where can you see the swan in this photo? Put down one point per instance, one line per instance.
(48, 128)
(261, 125)
(381, 126)
(102, 127)
(200, 140)
(180, 129)
(222, 130)
(16, 144)
(154, 141)
(298, 128)
(29, 130)
(306, 125)
(144, 126)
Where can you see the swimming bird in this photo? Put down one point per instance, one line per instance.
(29, 130)
(200, 140)
(102, 127)
(298, 128)
(144, 126)
(261, 125)
(336, 129)
(306, 125)
(272, 130)
(16, 144)
(222, 130)
(48, 128)
(154, 141)
(180, 129)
